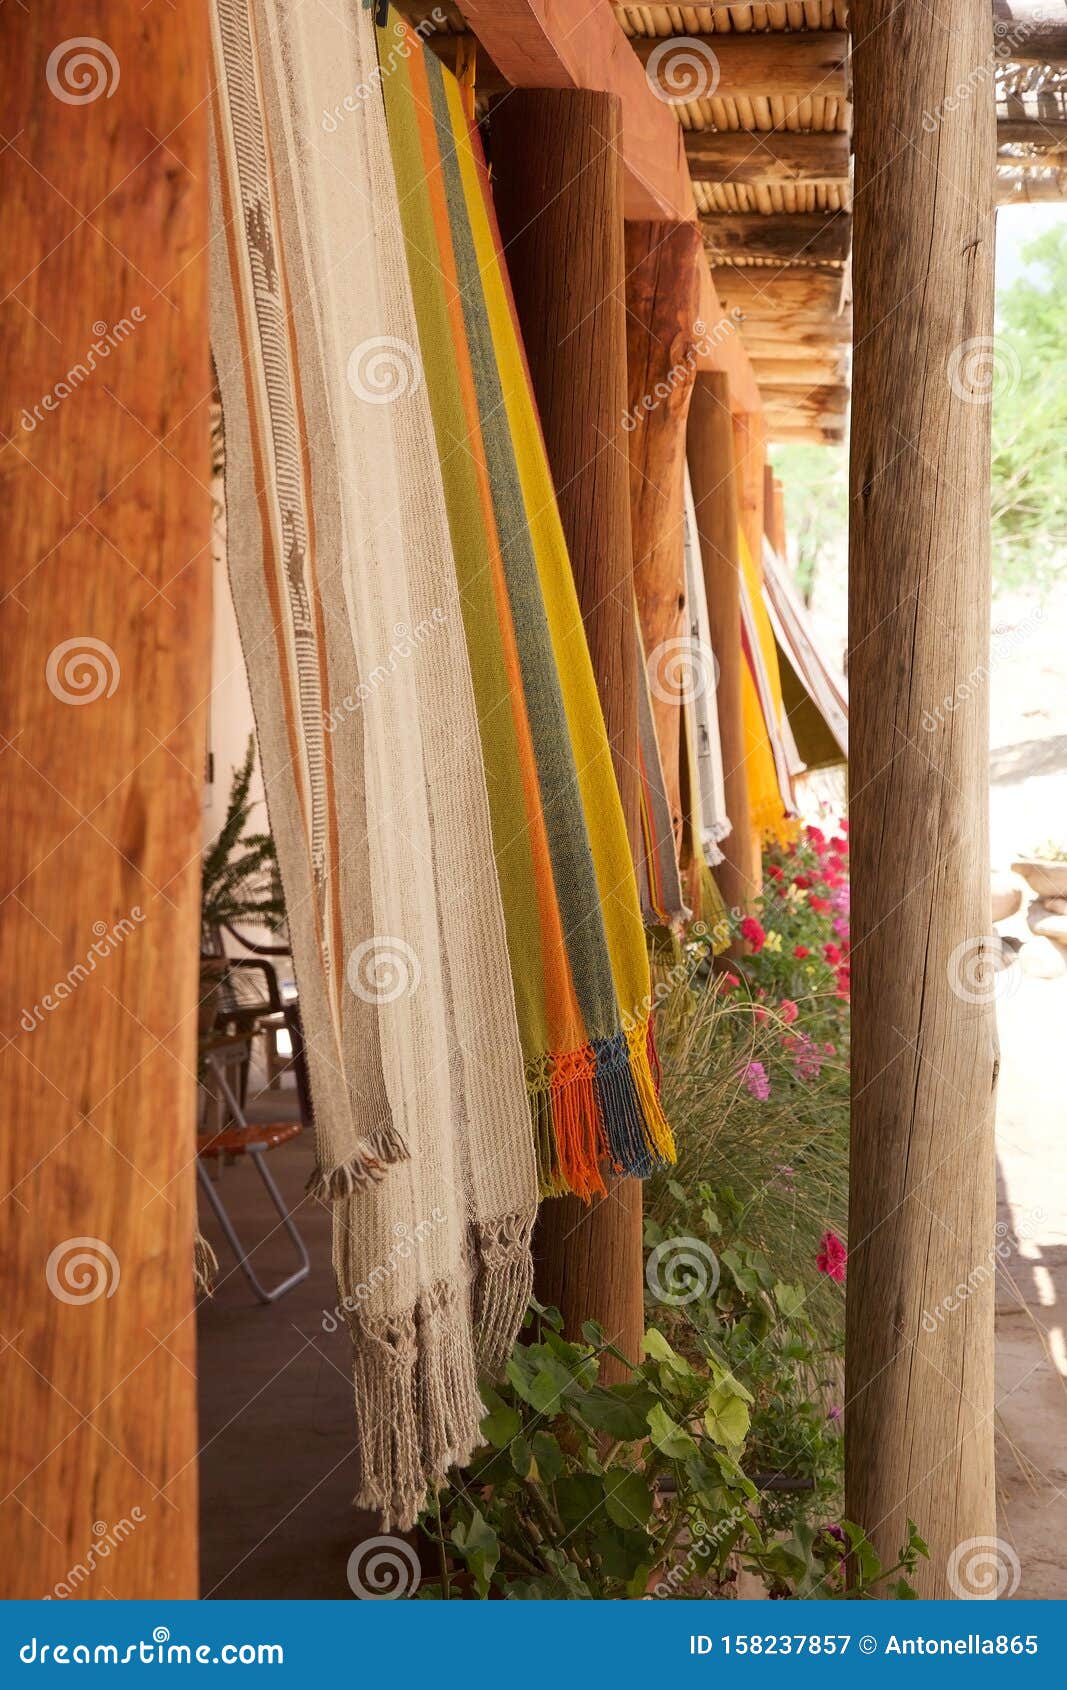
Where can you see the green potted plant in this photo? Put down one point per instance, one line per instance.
(239, 880)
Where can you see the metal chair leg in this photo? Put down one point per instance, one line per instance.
(255, 1152)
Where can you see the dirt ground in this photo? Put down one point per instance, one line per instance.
(1028, 806)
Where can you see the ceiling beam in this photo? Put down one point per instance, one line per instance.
(807, 400)
(545, 44)
(781, 432)
(765, 294)
(813, 237)
(1031, 131)
(1031, 31)
(828, 368)
(795, 65)
(1025, 190)
(750, 158)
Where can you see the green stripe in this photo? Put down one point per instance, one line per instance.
(474, 569)
(568, 839)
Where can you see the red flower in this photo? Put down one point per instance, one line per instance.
(832, 1257)
(821, 906)
(774, 872)
(753, 932)
(730, 981)
(802, 881)
(832, 953)
(788, 1011)
(800, 952)
(817, 836)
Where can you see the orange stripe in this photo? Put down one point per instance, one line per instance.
(260, 474)
(566, 1027)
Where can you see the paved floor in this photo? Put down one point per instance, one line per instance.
(277, 1468)
(1028, 771)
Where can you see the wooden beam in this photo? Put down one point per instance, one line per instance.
(788, 371)
(812, 398)
(799, 340)
(106, 626)
(712, 467)
(557, 184)
(661, 309)
(803, 291)
(1030, 31)
(539, 44)
(773, 64)
(782, 432)
(747, 158)
(811, 237)
(919, 1365)
(534, 45)
(1027, 191)
(1034, 131)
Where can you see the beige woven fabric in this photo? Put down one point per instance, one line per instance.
(369, 736)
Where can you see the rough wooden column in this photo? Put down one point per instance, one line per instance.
(662, 334)
(751, 452)
(919, 1415)
(107, 637)
(710, 449)
(558, 189)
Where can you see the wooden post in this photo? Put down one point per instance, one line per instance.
(558, 189)
(710, 447)
(919, 1354)
(750, 449)
(107, 639)
(662, 332)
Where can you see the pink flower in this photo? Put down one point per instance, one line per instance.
(833, 1412)
(832, 953)
(788, 1011)
(755, 1078)
(832, 1257)
(760, 1013)
(840, 926)
(807, 1061)
(753, 932)
(730, 981)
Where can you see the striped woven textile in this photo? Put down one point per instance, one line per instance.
(575, 936)
(767, 754)
(348, 603)
(662, 901)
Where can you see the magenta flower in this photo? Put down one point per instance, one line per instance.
(832, 1257)
(755, 1078)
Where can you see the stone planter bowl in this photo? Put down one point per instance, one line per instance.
(1048, 879)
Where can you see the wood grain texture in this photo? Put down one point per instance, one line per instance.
(749, 158)
(919, 1414)
(662, 332)
(557, 186)
(107, 638)
(584, 1258)
(750, 449)
(710, 452)
(807, 237)
(777, 65)
(1031, 31)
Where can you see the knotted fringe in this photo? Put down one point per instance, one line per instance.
(595, 1104)
(205, 1266)
(417, 1404)
(377, 1151)
(502, 1286)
